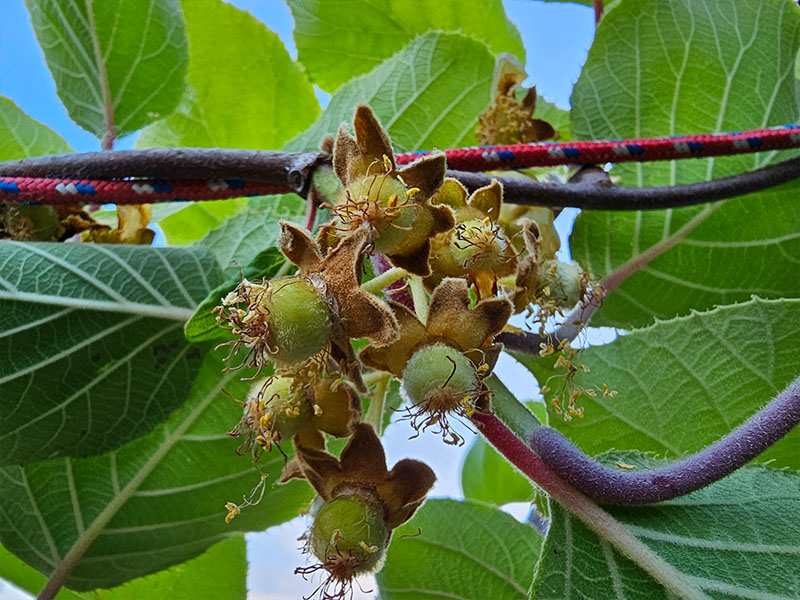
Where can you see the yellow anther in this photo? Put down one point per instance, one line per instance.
(483, 368)
(317, 410)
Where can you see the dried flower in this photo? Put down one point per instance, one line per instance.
(477, 248)
(509, 120)
(393, 202)
(458, 353)
(363, 503)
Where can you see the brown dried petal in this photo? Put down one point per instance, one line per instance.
(362, 315)
(370, 136)
(299, 247)
(426, 173)
(405, 489)
(363, 459)
(393, 357)
(321, 469)
(538, 131)
(347, 161)
(450, 316)
(415, 262)
(340, 409)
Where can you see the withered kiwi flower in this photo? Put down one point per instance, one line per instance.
(310, 315)
(363, 503)
(548, 285)
(443, 362)
(477, 248)
(284, 408)
(353, 312)
(508, 120)
(394, 202)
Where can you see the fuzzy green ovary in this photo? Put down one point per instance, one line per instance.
(439, 377)
(285, 406)
(477, 248)
(299, 322)
(565, 282)
(349, 527)
(406, 232)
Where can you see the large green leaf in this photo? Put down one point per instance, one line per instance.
(220, 572)
(93, 345)
(738, 538)
(685, 383)
(427, 95)
(117, 65)
(239, 239)
(662, 68)
(466, 550)
(155, 502)
(23, 137)
(247, 92)
(337, 41)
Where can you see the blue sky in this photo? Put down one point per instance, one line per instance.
(556, 37)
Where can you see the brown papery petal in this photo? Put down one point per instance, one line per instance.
(299, 247)
(371, 138)
(393, 357)
(450, 316)
(404, 490)
(426, 173)
(363, 460)
(347, 160)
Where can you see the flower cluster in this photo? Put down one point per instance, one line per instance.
(470, 263)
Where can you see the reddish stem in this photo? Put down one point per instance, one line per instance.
(598, 11)
(312, 201)
(396, 291)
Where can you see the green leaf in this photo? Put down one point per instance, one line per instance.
(489, 477)
(466, 550)
(155, 502)
(427, 95)
(93, 343)
(735, 539)
(663, 68)
(118, 66)
(243, 236)
(220, 572)
(337, 41)
(193, 221)
(685, 383)
(23, 137)
(246, 92)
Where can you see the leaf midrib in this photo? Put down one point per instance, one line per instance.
(72, 558)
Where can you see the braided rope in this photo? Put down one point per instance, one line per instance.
(57, 191)
(546, 154)
(68, 192)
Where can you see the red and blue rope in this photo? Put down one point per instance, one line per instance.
(38, 190)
